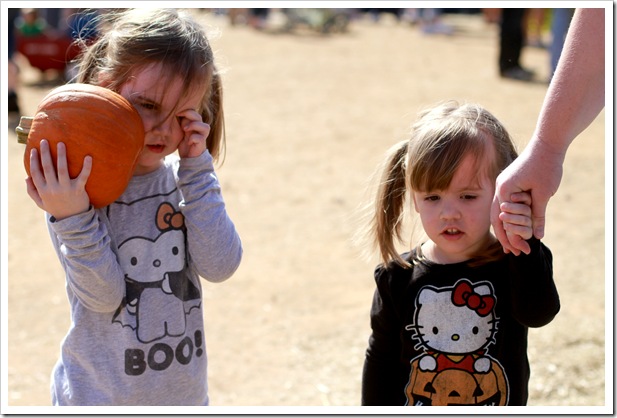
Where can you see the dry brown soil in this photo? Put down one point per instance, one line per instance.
(308, 119)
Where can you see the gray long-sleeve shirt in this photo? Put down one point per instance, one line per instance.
(132, 278)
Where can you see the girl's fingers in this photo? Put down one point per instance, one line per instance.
(524, 232)
(500, 232)
(518, 242)
(196, 138)
(86, 169)
(518, 229)
(521, 197)
(513, 217)
(190, 120)
(196, 132)
(33, 192)
(197, 128)
(61, 164)
(516, 220)
(36, 173)
(47, 162)
(516, 208)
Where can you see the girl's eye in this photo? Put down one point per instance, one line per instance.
(147, 105)
(468, 197)
(431, 198)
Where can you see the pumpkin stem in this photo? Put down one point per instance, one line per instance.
(23, 129)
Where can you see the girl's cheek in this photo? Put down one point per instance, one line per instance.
(178, 135)
(148, 121)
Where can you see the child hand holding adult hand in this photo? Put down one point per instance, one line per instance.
(537, 172)
(516, 216)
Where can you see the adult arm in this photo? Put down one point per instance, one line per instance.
(573, 100)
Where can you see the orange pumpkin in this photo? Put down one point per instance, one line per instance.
(94, 121)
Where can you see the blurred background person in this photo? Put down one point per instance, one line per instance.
(30, 22)
(258, 18)
(511, 42)
(535, 24)
(429, 20)
(13, 69)
(559, 28)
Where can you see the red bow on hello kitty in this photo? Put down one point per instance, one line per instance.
(463, 295)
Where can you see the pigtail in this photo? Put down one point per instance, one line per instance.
(387, 224)
(213, 115)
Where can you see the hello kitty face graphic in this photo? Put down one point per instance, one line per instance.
(455, 320)
(453, 327)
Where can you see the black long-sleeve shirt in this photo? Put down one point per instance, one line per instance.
(453, 334)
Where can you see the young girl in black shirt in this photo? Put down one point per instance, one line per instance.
(449, 318)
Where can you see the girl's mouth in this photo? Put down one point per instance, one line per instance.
(452, 233)
(157, 148)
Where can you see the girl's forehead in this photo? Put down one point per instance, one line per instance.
(472, 172)
(149, 76)
(156, 83)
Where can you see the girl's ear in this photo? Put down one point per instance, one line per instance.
(104, 79)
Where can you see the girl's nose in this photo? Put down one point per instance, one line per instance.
(166, 126)
(163, 127)
(449, 211)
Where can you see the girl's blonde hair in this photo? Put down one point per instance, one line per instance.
(136, 38)
(441, 138)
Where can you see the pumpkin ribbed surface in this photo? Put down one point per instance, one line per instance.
(93, 121)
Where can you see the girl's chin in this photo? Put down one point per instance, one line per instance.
(146, 166)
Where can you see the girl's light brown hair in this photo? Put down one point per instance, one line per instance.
(438, 142)
(136, 38)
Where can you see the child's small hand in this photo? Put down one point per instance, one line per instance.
(57, 193)
(516, 218)
(195, 134)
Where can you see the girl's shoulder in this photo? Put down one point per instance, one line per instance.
(393, 271)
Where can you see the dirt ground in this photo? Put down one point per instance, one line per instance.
(309, 117)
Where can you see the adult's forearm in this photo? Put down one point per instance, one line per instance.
(576, 93)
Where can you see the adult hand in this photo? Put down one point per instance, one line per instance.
(56, 193)
(573, 100)
(538, 171)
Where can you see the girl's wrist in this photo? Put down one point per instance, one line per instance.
(61, 217)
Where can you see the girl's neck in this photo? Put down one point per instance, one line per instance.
(141, 170)
(432, 253)
(435, 254)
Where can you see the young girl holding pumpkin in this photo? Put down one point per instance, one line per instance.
(132, 267)
(450, 318)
